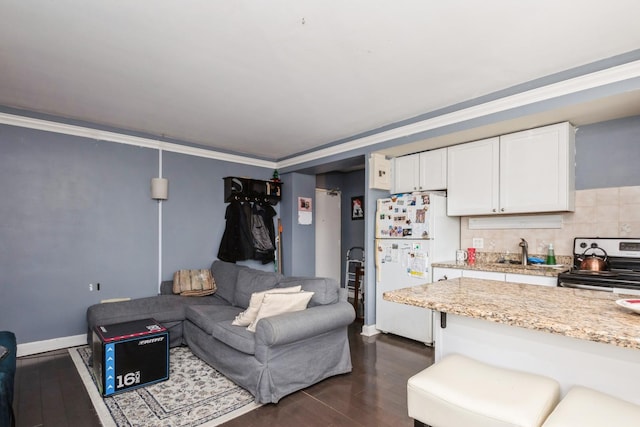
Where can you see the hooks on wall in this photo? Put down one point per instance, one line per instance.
(251, 190)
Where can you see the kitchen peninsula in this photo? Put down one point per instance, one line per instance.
(575, 336)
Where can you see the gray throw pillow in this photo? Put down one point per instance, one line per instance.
(226, 275)
(250, 281)
(325, 290)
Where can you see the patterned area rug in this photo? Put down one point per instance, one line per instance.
(194, 395)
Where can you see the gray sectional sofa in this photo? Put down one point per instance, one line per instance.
(287, 352)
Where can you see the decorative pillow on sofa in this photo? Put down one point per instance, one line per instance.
(277, 303)
(193, 283)
(249, 315)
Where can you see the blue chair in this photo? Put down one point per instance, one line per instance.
(7, 375)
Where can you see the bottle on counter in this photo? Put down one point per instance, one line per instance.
(551, 256)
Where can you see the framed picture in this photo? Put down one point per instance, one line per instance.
(357, 207)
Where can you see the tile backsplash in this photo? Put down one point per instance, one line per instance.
(602, 212)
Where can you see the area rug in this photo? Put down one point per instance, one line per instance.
(194, 395)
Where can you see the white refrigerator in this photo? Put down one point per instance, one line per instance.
(412, 231)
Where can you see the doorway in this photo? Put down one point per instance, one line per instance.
(328, 234)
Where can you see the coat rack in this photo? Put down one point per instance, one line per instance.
(251, 190)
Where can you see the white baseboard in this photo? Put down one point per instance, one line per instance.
(369, 330)
(36, 347)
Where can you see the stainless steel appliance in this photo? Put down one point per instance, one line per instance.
(621, 273)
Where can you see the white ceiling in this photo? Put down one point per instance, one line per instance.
(275, 78)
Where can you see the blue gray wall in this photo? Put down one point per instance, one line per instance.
(75, 211)
(193, 218)
(608, 154)
(299, 248)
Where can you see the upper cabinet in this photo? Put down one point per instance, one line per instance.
(424, 171)
(523, 172)
(473, 178)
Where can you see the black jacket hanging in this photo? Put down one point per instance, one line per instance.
(237, 242)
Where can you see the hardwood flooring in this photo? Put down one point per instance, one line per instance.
(49, 392)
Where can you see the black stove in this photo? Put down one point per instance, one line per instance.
(622, 265)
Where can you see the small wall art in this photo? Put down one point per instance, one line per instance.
(357, 208)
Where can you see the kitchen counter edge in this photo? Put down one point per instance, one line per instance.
(530, 270)
(582, 314)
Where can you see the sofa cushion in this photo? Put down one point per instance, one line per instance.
(325, 290)
(226, 276)
(249, 315)
(276, 303)
(163, 308)
(205, 317)
(237, 337)
(250, 281)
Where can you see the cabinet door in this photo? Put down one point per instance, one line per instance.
(433, 170)
(487, 275)
(405, 174)
(472, 178)
(537, 170)
(441, 273)
(531, 279)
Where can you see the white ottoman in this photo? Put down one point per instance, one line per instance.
(462, 392)
(584, 407)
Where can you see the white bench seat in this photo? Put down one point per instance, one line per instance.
(462, 392)
(585, 407)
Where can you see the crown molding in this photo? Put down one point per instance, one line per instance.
(567, 87)
(544, 93)
(100, 135)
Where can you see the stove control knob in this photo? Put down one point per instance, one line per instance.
(583, 245)
(594, 245)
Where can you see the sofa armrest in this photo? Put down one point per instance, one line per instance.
(290, 327)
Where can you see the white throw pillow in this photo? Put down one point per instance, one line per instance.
(274, 304)
(249, 315)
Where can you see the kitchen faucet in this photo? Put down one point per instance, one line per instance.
(525, 250)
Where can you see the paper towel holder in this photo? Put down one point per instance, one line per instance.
(159, 188)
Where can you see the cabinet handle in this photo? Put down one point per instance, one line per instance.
(494, 209)
(502, 210)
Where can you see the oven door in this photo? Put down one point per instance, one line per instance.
(585, 286)
(606, 288)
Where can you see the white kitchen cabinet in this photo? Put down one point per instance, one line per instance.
(424, 171)
(473, 178)
(433, 170)
(406, 174)
(523, 172)
(441, 273)
(537, 170)
(530, 279)
(480, 274)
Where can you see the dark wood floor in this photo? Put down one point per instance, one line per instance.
(49, 391)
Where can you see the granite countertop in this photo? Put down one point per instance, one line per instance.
(532, 270)
(577, 313)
